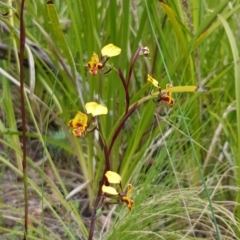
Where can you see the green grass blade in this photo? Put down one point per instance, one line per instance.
(235, 54)
(58, 36)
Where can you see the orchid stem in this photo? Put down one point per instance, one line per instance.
(99, 195)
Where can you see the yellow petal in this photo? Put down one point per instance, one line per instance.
(171, 88)
(90, 107)
(95, 109)
(113, 177)
(184, 89)
(153, 81)
(125, 197)
(110, 50)
(129, 190)
(95, 58)
(80, 120)
(189, 89)
(109, 190)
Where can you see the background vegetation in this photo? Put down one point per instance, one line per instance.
(183, 161)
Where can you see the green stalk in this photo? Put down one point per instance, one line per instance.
(10, 110)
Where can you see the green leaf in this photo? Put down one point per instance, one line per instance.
(58, 36)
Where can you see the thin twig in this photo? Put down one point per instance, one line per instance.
(120, 74)
(135, 56)
(119, 128)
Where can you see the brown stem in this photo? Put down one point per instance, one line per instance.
(107, 150)
(99, 195)
(119, 128)
(136, 54)
(125, 89)
(23, 116)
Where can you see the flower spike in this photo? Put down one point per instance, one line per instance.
(166, 94)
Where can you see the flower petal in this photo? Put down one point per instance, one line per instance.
(166, 98)
(70, 123)
(78, 132)
(80, 120)
(129, 202)
(109, 190)
(113, 177)
(95, 109)
(153, 81)
(125, 197)
(110, 50)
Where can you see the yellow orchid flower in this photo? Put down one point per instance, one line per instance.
(95, 109)
(113, 177)
(94, 65)
(110, 50)
(125, 197)
(166, 94)
(153, 81)
(107, 51)
(79, 124)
